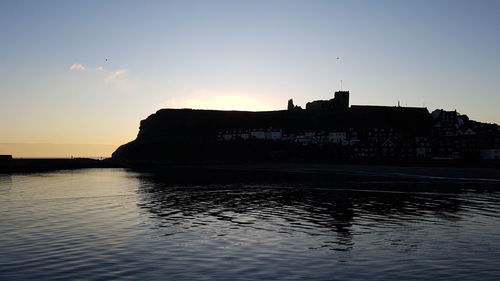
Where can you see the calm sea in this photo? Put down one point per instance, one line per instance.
(105, 224)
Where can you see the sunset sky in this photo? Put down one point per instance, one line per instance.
(86, 72)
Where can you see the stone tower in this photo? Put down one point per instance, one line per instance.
(290, 104)
(341, 99)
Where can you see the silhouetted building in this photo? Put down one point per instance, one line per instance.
(490, 154)
(293, 107)
(339, 102)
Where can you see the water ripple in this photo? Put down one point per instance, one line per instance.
(115, 224)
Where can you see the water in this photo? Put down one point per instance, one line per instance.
(104, 224)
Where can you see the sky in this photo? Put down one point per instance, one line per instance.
(78, 73)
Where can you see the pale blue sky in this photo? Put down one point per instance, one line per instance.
(241, 54)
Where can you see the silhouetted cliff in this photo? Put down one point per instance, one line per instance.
(199, 135)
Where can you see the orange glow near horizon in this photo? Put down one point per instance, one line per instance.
(46, 150)
(32, 142)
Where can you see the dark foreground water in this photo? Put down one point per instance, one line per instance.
(115, 224)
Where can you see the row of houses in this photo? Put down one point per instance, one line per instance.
(450, 136)
(454, 136)
(304, 138)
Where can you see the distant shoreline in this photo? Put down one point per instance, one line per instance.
(27, 165)
(239, 171)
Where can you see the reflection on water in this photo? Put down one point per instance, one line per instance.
(5, 184)
(104, 224)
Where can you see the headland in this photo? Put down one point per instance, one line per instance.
(328, 131)
(327, 138)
